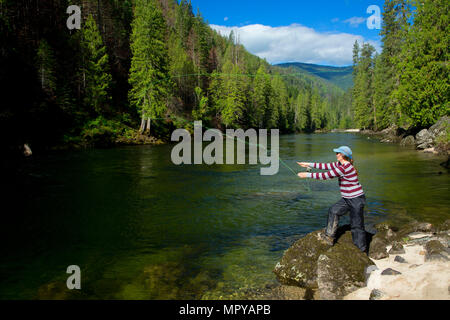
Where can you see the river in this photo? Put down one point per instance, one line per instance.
(140, 227)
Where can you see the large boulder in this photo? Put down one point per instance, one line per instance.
(424, 140)
(440, 128)
(334, 271)
(298, 266)
(391, 131)
(436, 251)
(408, 141)
(341, 269)
(391, 135)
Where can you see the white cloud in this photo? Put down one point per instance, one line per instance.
(225, 19)
(296, 43)
(355, 21)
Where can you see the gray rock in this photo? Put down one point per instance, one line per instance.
(412, 227)
(335, 271)
(369, 271)
(435, 251)
(27, 150)
(377, 250)
(444, 227)
(430, 150)
(408, 141)
(424, 140)
(298, 266)
(424, 227)
(376, 295)
(440, 128)
(399, 259)
(341, 270)
(397, 248)
(390, 272)
(391, 131)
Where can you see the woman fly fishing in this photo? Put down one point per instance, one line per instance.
(353, 197)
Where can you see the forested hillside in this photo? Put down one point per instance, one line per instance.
(408, 83)
(339, 76)
(139, 66)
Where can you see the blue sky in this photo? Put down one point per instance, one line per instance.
(315, 31)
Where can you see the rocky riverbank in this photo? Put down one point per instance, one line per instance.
(435, 140)
(403, 262)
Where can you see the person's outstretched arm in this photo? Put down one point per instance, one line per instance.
(320, 166)
(333, 173)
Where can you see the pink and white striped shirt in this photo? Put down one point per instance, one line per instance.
(348, 178)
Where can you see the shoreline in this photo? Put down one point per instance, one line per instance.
(410, 261)
(407, 275)
(433, 140)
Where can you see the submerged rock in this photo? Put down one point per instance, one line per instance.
(283, 292)
(57, 291)
(446, 164)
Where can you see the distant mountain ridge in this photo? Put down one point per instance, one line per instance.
(339, 76)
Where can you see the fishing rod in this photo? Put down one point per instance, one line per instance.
(244, 141)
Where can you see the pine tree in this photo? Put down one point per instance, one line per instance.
(233, 95)
(200, 111)
(423, 92)
(202, 49)
(150, 64)
(280, 103)
(316, 106)
(184, 21)
(260, 98)
(381, 95)
(97, 78)
(363, 86)
(46, 67)
(394, 32)
(215, 95)
(300, 114)
(182, 72)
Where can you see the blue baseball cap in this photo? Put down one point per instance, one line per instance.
(346, 151)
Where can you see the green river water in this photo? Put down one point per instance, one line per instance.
(140, 227)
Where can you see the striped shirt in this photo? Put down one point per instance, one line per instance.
(348, 178)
